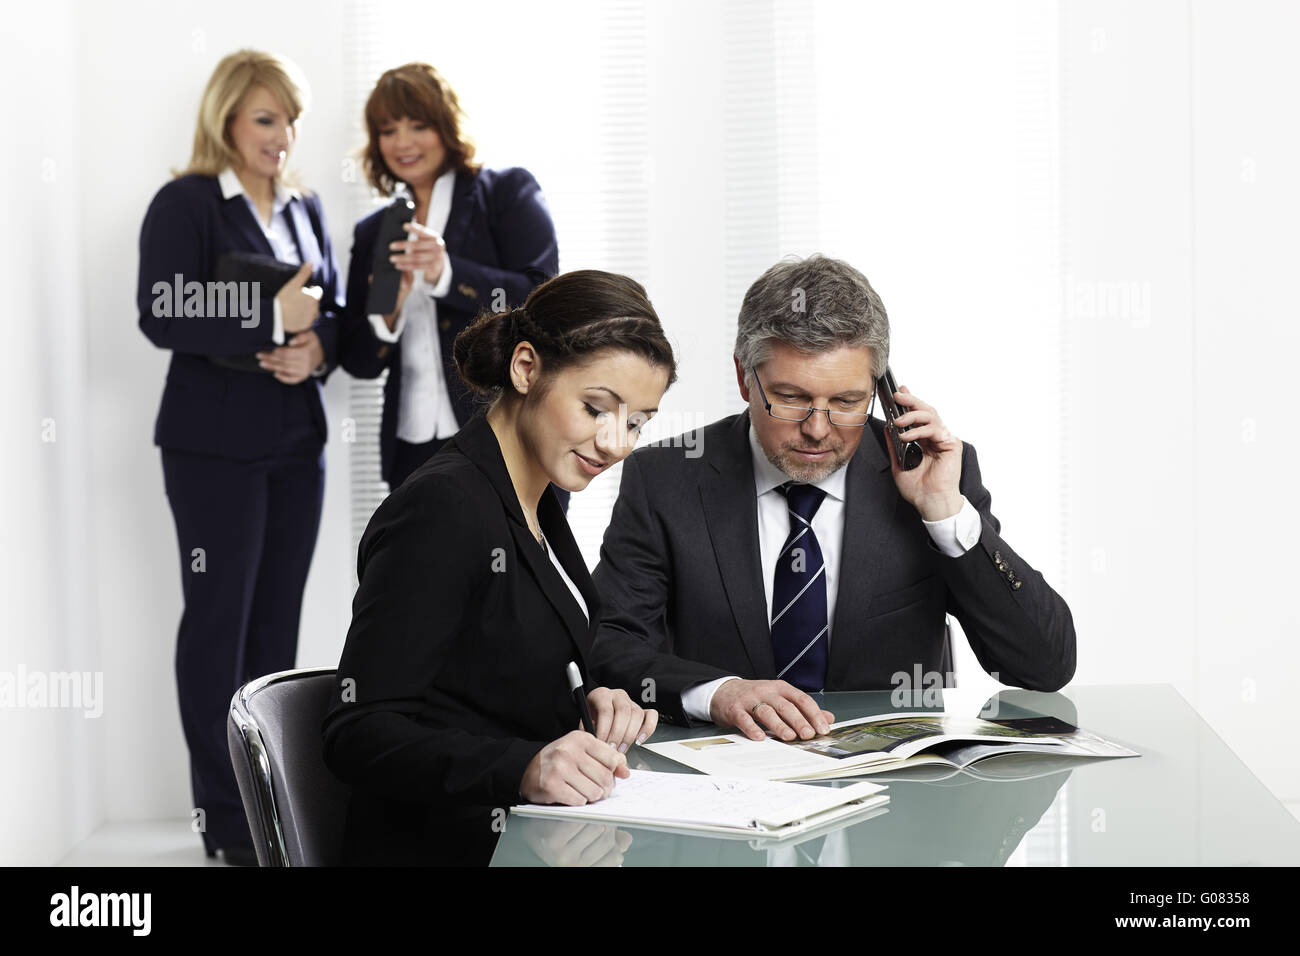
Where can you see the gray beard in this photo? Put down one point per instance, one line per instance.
(808, 474)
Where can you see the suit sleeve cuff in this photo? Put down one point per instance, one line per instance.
(444, 281)
(508, 775)
(277, 323)
(697, 700)
(956, 535)
(382, 331)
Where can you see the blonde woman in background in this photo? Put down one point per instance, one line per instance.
(241, 426)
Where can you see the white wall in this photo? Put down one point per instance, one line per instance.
(1178, 172)
(97, 584)
(54, 758)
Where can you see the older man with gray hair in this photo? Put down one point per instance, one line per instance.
(795, 554)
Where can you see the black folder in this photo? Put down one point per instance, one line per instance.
(253, 267)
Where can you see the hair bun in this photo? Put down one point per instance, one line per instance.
(482, 351)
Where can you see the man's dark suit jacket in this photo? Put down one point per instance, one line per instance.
(499, 235)
(455, 661)
(207, 408)
(680, 580)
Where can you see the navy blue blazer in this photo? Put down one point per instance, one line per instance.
(208, 408)
(499, 235)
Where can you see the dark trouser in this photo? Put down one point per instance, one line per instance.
(408, 457)
(255, 523)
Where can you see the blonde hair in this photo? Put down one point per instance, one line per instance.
(235, 77)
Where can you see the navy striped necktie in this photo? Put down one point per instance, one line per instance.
(800, 629)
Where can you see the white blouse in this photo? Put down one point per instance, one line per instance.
(577, 595)
(424, 409)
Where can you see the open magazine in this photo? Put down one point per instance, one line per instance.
(884, 743)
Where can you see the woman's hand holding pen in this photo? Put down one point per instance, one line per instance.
(619, 722)
(575, 770)
(580, 768)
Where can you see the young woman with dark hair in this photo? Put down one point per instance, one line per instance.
(452, 699)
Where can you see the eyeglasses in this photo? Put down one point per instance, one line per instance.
(801, 413)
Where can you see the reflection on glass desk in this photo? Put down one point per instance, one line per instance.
(1187, 801)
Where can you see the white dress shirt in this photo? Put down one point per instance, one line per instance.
(276, 231)
(577, 595)
(424, 410)
(954, 536)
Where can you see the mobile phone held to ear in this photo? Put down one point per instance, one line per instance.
(908, 453)
(385, 278)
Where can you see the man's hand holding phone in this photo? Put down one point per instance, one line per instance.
(933, 487)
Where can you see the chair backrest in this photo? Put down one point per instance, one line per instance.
(296, 807)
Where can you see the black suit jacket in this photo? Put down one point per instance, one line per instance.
(680, 578)
(499, 235)
(453, 674)
(207, 408)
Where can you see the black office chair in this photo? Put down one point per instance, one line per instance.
(295, 806)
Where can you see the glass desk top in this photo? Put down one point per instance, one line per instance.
(1187, 801)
